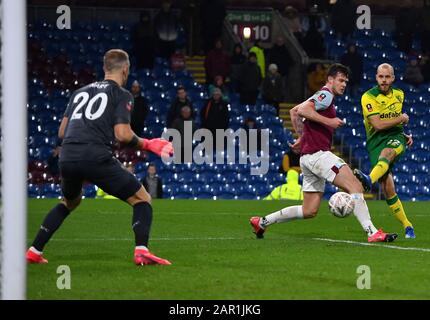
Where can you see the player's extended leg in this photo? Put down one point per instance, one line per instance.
(141, 224)
(345, 179)
(116, 180)
(309, 209)
(386, 157)
(50, 224)
(396, 207)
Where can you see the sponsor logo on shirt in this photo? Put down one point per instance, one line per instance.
(369, 107)
(390, 115)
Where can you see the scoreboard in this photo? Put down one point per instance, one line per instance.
(251, 25)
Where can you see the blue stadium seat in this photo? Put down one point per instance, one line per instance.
(33, 191)
(51, 190)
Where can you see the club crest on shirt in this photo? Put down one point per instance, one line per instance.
(369, 107)
(321, 97)
(129, 106)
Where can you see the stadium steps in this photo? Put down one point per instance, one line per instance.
(284, 114)
(195, 65)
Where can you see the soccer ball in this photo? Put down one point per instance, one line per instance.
(341, 204)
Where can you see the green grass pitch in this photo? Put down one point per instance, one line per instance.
(215, 255)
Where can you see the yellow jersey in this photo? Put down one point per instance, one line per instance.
(387, 106)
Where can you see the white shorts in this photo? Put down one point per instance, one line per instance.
(318, 168)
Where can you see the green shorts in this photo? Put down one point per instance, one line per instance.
(395, 141)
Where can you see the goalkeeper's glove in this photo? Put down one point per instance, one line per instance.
(160, 147)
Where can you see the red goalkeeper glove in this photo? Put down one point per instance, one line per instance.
(160, 147)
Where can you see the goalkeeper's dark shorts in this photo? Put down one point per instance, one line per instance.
(109, 175)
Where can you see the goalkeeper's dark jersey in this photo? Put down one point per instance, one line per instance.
(93, 111)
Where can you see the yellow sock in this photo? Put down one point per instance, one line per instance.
(397, 210)
(379, 170)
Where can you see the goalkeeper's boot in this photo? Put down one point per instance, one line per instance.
(409, 233)
(381, 236)
(258, 230)
(33, 257)
(144, 257)
(364, 179)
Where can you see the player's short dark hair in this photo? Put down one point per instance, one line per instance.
(115, 59)
(180, 88)
(336, 68)
(152, 164)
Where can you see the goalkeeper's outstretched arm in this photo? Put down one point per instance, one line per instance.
(124, 134)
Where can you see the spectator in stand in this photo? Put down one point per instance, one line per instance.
(153, 183)
(272, 87)
(176, 106)
(214, 114)
(166, 26)
(313, 42)
(248, 125)
(413, 73)
(261, 59)
(293, 23)
(406, 26)
(219, 83)
(354, 61)
(143, 42)
(179, 124)
(425, 67)
(213, 14)
(140, 109)
(424, 27)
(249, 80)
(343, 18)
(217, 62)
(316, 78)
(177, 60)
(280, 56)
(237, 60)
(314, 17)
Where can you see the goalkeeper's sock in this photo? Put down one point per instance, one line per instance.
(283, 215)
(52, 222)
(142, 220)
(397, 210)
(379, 169)
(361, 212)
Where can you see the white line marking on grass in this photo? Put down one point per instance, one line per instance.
(245, 238)
(178, 213)
(372, 244)
(153, 239)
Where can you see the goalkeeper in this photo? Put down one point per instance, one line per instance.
(96, 115)
(386, 140)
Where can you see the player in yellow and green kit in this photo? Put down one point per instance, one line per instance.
(386, 140)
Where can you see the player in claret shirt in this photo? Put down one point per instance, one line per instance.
(386, 139)
(96, 115)
(314, 121)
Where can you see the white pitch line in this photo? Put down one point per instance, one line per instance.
(372, 245)
(236, 238)
(154, 239)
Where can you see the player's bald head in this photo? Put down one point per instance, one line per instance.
(115, 60)
(385, 67)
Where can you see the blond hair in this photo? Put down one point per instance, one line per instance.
(114, 60)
